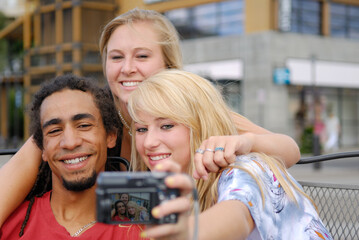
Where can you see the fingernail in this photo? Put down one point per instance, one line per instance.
(155, 212)
(170, 181)
(143, 235)
(158, 166)
(205, 177)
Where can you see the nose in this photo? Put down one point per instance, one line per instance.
(151, 139)
(128, 66)
(70, 139)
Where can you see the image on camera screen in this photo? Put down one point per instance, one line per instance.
(130, 207)
(123, 197)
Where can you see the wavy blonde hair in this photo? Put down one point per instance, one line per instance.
(189, 99)
(167, 35)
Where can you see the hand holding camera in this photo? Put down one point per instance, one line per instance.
(161, 199)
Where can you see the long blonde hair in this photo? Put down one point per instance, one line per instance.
(134, 205)
(191, 100)
(167, 34)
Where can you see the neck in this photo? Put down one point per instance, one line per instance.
(121, 106)
(73, 210)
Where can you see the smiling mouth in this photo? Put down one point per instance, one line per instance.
(75, 160)
(160, 157)
(130, 84)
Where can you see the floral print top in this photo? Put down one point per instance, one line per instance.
(279, 217)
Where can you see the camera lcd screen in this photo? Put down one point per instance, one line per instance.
(131, 207)
(128, 198)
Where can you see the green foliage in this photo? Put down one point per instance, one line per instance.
(16, 112)
(3, 20)
(307, 140)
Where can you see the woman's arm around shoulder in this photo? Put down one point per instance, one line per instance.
(262, 140)
(17, 177)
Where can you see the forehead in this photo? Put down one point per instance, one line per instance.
(66, 104)
(138, 34)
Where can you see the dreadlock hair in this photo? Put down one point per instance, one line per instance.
(104, 103)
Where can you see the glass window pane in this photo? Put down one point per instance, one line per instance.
(344, 20)
(306, 17)
(220, 18)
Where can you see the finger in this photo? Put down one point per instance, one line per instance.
(195, 174)
(219, 158)
(208, 160)
(168, 231)
(177, 205)
(177, 230)
(180, 181)
(229, 153)
(168, 166)
(198, 163)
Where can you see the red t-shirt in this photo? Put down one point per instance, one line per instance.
(42, 225)
(124, 219)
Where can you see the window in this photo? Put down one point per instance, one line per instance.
(344, 20)
(214, 19)
(306, 17)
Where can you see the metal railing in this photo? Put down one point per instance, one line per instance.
(338, 204)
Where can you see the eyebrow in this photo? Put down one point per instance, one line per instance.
(51, 122)
(76, 117)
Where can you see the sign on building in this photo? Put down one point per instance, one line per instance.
(284, 15)
(281, 76)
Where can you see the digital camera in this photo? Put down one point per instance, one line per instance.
(128, 197)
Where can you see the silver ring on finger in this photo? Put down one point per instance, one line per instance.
(219, 149)
(209, 150)
(200, 151)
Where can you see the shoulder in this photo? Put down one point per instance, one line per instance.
(12, 225)
(239, 180)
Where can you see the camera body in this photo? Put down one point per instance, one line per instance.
(144, 191)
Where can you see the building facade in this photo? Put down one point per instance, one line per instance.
(280, 63)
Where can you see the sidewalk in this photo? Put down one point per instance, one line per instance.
(342, 171)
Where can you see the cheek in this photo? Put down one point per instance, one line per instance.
(152, 69)
(139, 144)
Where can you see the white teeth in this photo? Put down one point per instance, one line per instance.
(76, 160)
(157, 158)
(130, 84)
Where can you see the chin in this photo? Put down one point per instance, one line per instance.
(80, 184)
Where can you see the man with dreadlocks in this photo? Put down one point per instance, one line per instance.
(73, 122)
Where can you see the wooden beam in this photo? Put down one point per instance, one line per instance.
(76, 38)
(99, 6)
(326, 18)
(127, 5)
(59, 29)
(42, 69)
(11, 27)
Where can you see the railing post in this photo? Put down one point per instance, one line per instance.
(316, 151)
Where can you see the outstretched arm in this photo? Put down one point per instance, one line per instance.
(225, 220)
(228, 219)
(17, 177)
(273, 144)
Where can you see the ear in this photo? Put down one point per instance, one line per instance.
(111, 139)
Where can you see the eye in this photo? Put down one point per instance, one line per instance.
(142, 56)
(116, 57)
(84, 126)
(141, 130)
(167, 126)
(53, 131)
